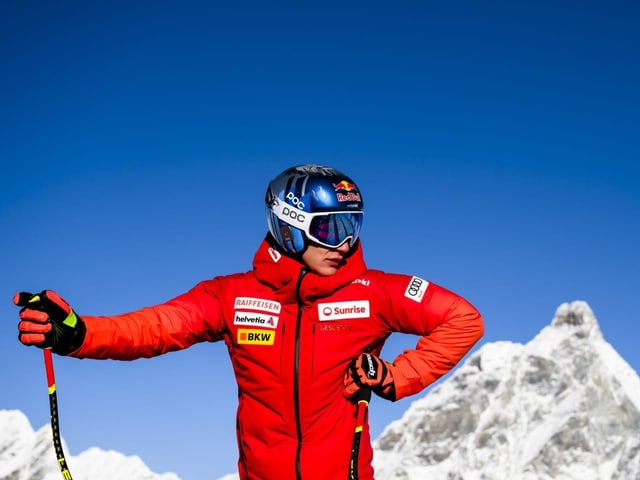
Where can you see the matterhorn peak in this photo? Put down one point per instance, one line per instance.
(573, 328)
(564, 405)
(578, 316)
(574, 313)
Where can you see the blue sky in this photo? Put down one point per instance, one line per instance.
(496, 146)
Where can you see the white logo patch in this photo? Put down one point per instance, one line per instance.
(415, 290)
(275, 255)
(257, 304)
(343, 310)
(252, 318)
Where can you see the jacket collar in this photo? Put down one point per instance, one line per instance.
(281, 272)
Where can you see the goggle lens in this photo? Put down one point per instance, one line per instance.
(334, 229)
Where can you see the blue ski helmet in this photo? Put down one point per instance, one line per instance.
(313, 203)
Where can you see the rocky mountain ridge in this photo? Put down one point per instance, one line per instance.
(563, 406)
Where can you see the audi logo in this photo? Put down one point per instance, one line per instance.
(414, 287)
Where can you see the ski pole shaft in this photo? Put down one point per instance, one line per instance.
(362, 398)
(55, 423)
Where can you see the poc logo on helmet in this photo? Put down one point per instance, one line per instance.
(415, 290)
(293, 214)
(295, 200)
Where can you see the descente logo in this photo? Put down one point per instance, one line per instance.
(343, 310)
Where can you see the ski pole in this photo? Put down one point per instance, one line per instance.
(362, 403)
(55, 424)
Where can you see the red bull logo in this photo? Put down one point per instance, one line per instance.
(345, 186)
(351, 195)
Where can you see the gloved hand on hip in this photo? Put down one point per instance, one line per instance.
(369, 371)
(47, 321)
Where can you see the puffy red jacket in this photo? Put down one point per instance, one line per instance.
(291, 336)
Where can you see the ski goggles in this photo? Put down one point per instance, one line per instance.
(329, 229)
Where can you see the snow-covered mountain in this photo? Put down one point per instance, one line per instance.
(563, 406)
(26, 454)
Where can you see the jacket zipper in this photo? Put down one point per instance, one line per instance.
(296, 375)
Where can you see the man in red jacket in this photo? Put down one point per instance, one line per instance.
(304, 330)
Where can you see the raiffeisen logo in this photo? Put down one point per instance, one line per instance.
(257, 304)
(343, 310)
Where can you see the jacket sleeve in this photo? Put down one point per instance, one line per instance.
(448, 326)
(188, 319)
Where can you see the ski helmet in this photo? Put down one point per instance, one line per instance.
(313, 203)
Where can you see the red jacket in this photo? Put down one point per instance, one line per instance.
(290, 337)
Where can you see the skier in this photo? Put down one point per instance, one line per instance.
(304, 330)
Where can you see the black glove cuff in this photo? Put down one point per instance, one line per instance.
(69, 339)
(389, 395)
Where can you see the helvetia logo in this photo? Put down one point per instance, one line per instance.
(343, 310)
(252, 318)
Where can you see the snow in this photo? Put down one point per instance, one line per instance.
(26, 454)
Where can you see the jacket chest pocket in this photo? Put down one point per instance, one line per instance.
(259, 350)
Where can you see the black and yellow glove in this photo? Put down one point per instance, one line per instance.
(47, 321)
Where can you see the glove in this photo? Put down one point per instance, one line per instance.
(369, 371)
(47, 321)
